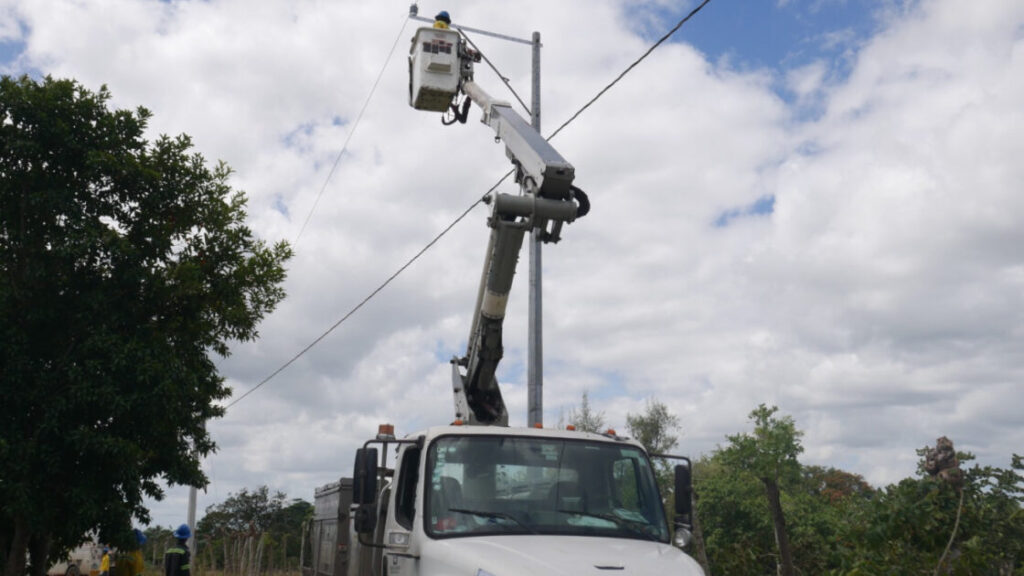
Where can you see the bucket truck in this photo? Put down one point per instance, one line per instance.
(477, 497)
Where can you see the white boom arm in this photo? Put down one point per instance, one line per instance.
(441, 67)
(552, 174)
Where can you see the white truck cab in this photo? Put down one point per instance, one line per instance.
(487, 500)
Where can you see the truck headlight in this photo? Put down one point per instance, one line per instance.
(398, 539)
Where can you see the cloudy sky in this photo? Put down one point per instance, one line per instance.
(814, 204)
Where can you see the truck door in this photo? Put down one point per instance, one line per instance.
(403, 513)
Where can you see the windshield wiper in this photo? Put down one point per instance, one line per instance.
(632, 526)
(495, 515)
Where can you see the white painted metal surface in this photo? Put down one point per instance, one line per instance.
(420, 554)
(433, 69)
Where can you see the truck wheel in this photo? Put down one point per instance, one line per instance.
(72, 571)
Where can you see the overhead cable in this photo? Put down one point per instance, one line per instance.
(355, 125)
(371, 295)
(499, 74)
(630, 67)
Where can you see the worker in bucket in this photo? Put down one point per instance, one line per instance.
(442, 20)
(177, 558)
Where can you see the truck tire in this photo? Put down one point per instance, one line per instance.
(72, 570)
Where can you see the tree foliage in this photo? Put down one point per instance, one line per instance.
(771, 451)
(245, 511)
(124, 264)
(586, 419)
(254, 514)
(907, 527)
(838, 525)
(737, 520)
(734, 518)
(656, 428)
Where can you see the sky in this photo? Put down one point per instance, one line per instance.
(811, 204)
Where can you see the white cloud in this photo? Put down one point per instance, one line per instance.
(806, 81)
(880, 304)
(10, 30)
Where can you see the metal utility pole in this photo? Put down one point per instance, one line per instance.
(535, 338)
(192, 520)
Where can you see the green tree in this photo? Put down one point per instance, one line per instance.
(290, 523)
(738, 525)
(906, 528)
(770, 455)
(124, 265)
(256, 513)
(817, 507)
(733, 515)
(656, 428)
(158, 539)
(834, 485)
(256, 510)
(586, 419)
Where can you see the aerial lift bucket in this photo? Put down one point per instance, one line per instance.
(433, 69)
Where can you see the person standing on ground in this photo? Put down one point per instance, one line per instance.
(177, 558)
(138, 562)
(105, 562)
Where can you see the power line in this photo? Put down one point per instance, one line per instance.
(468, 210)
(371, 295)
(499, 74)
(355, 125)
(631, 66)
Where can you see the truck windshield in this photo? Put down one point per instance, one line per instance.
(522, 485)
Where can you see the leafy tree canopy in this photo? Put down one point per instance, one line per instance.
(771, 451)
(910, 523)
(124, 264)
(655, 428)
(254, 513)
(245, 511)
(586, 419)
(770, 455)
(835, 523)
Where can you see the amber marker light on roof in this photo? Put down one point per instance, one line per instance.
(538, 425)
(570, 428)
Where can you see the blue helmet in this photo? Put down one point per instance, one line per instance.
(183, 532)
(139, 536)
(443, 17)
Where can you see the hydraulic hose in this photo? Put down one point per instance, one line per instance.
(582, 200)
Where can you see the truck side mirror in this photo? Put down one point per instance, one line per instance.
(684, 494)
(364, 521)
(684, 506)
(364, 476)
(364, 490)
